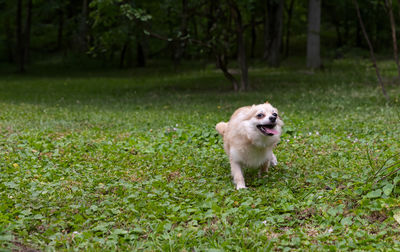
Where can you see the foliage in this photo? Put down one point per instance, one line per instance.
(113, 162)
(111, 24)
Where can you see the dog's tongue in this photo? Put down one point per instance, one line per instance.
(271, 131)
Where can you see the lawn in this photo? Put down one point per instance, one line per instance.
(130, 160)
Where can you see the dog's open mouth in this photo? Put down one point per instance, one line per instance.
(268, 129)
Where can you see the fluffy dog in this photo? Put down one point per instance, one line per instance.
(249, 138)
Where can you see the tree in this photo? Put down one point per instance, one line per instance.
(273, 24)
(371, 50)
(241, 46)
(313, 36)
(83, 27)
(289, 11)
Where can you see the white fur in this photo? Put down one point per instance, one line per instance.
(245, 144)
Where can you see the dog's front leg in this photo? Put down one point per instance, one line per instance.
(274, 160)
(237, 175)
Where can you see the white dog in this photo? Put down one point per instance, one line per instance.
(249, 138)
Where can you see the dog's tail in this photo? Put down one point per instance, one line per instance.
(221, 128)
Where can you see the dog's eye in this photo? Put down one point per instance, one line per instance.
(275, 114)
(259, 116)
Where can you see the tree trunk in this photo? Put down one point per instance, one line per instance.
(180, 44)
(222, 64)
(313, 38)
(273, 32)
(242, 58)
(20, 48)
(389, 6)
(210, 19)
(141, 59)
(288, 25)
(83, 27)
(27, 32)
(371, 50)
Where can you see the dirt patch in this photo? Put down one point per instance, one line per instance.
(22, 248)
(377, 216)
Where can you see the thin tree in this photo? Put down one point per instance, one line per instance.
(83, 27)
(273, 24)
(371, 50)
(289, 11)
(241, 46)
(313, 37)
(389, 8)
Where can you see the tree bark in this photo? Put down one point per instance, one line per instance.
(389, 8)
(371, 50)
(288, 25)
(180, 44)
(83, 27)
(19, 37)
(273, 24)
(313, 37)
(242, 58)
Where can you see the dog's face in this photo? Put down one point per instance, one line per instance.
(265, 120)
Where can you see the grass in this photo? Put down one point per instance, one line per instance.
(130, 160)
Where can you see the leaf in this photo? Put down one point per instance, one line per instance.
(11, 185)
(396, 216)
(6, 237)
(387, 189)
(119, 231)
(38, 217)
(103, 227)
(347, 221)
(138, 230)
(374, 194)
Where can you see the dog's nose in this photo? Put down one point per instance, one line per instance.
(272, 118)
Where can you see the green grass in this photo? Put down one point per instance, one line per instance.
(130, 160)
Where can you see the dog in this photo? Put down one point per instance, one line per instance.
(249, 139)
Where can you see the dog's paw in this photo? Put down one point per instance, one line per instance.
(274, 161)
(240, 186)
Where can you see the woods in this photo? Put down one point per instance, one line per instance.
(231, 33)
